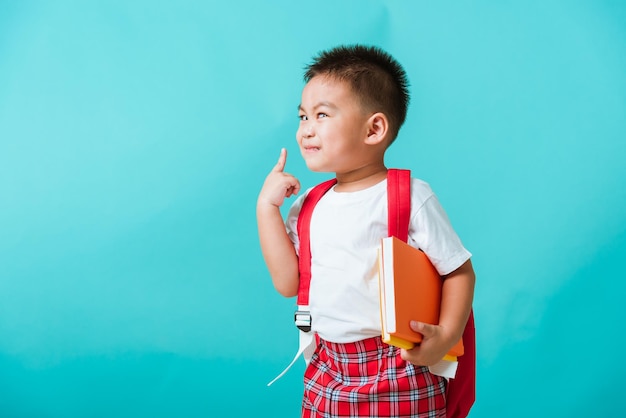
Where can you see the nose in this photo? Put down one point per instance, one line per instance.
(306, 130)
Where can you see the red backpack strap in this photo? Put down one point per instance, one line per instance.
(303, 317)
(398, 203)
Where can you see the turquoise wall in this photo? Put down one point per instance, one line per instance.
(135, 136)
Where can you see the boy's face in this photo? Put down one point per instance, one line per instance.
(333, 127)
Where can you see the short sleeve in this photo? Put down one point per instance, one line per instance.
(431, 231)
(292, 220)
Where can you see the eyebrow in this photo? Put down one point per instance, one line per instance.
(320, 104)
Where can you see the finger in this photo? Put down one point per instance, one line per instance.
(412, 355)
(293, 188)
(426, 330)
(296, 187)
(282, 160)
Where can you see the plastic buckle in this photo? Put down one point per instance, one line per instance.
(303, 320)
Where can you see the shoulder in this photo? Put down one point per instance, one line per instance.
(419, 186)
(420, 192)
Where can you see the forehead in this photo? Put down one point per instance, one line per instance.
(329, 90)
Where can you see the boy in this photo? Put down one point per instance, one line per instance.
(353, 105)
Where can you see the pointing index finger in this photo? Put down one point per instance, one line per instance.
(282, 160)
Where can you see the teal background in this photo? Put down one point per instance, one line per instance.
(135, 136)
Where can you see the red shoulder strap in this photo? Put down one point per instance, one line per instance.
(398, 203)
(304, 220)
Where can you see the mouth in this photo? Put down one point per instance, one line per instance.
(310, 149)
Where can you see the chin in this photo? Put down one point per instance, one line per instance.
(316, 168)
(311, 164)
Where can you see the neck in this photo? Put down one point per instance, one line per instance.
(361, 178)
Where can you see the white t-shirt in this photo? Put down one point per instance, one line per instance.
(345, 231)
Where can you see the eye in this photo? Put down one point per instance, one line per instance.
(302, 117)
(322, 115)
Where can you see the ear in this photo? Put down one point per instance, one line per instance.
(377, 129)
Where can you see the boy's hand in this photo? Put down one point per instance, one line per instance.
(278, 184)
(434, 346)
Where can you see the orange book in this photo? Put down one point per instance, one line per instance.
(410, 289)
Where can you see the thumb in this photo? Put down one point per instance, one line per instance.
(282, 160)
(426, 330)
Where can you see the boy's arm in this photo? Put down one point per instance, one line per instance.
(456, 304)
(278, 250)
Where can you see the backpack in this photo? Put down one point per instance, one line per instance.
(461, 391)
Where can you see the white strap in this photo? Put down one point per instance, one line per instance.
(306, 347)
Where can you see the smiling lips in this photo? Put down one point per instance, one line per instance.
(309, 148)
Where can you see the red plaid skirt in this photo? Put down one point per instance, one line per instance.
(368, 378)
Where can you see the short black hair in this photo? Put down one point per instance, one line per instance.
(375, 76)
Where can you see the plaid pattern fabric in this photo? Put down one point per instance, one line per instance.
(368, 378)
